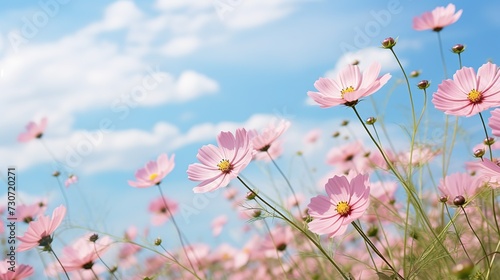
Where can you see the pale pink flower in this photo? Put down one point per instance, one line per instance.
(345, 202)
(351, 156)
(349, 86)
(219, 165)
(274, 151)
(488, 171)
(153, 172)
(33, 130)
(218, 224)
(72, 179)
(276, 241)
(494, 122)
(224, 255)
(436, 20)
(39, 231)
(312, 136)
(81, 254)
(459, 184)
(468, 94)
(419, 156)
(263, 141)
(160, 213)
(21, 271)
(28, 213)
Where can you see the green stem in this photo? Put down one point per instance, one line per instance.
(107, 267)
(54, 253)
(442, 54)
(286, 180)
(487, 136)
(298, 228)
(458, 236)
(475, 234)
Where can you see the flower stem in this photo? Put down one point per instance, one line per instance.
(286, 180)
(475, 234)
(107, 267)
(486, 133)
(54, 253)
(442, 54)
(298, 228)
(179, 234)
(458, 236)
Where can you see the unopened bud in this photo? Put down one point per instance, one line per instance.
(414, 73)
(463, 270)
(423, 84)
(489, 141)
(371, 120)
(388, 43)
(459, 200)
(443, 199)
(251, 195)
(94, 237)
(479, 153)
(158, 241)
(458, 48)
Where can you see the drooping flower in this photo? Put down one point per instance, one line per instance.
(349, 86)
(160, 213)
(39, 231)
(468, 94)
(219, 165)
(153, 172)
(436, 20)
(20, 272)
(345, 202)
(494, 122)
(459, 184)
(33, 130)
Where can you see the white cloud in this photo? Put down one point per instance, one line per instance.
(181, 46)
(169, 5)
(249, 14)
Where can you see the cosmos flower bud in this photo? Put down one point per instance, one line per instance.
(414, 73)
(335, 134)
(344, 123)
(489, 141)
(158, 241)
(443, 199)
(372, 231)
(251, 195)
(94, 237)
(388, 43)
(479, 153)
(371, 120)
(56, 173)
(459, 200)
(458, 48)
(423, 84)
(355, 62)
(256, 213)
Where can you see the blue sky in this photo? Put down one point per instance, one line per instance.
(79, 63)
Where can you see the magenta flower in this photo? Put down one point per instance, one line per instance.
(436, 20)
(22, 271)
(494, 122)
(468, 94)
(153, 172)
(459, 184)
(345, 202)
(349, 86)
(39, 231)
(160, 213)
(219, 165)
(33, 130)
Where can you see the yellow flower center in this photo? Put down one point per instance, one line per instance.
(474, 96)
(346, 90)
(153, 176)
(225, 166)
(343, 208)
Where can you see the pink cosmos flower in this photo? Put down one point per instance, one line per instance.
(39, 231)
(153, 172)
(349, 86)
(262, 141)
(219, 165)
(468, 94)
(218, 224)
(28, 213)
(459, 184)
(494, 122)
(277, 241)
(160, 213)
(345, 202)
(21, 271)
(72, 179)
(312, 136)
(273, 152)
(436, 20)
(351, 156)
(489, 172)
(33, 130)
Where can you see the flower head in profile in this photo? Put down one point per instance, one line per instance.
(72, 179)
(33, 130)
(39, 231)
(349, 86)
(468, 94)
(153, 172)
(488, 171)
(220, 164)
(345, 202)
(459, 184)
(494, 122)
(21, 271)
(436, 20)
(263, 141)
